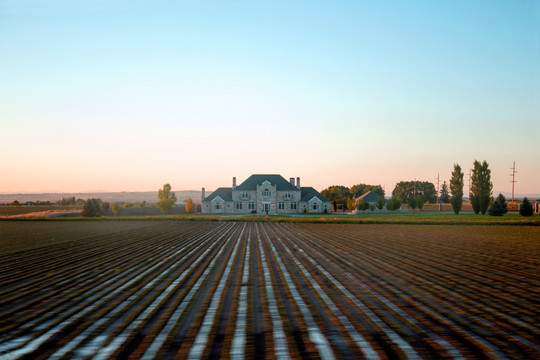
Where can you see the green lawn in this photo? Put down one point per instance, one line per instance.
(418, 218)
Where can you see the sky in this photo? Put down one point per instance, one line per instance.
(107, 95)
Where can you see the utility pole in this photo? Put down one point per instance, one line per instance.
(513, 181)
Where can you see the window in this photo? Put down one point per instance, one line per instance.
(315, 206)
(238, 205)
(251, 205)
(217, 206)
(287, 195)
(293, 205)
(281, 205)
(266, 192)
(245, 195)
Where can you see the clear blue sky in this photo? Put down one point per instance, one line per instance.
(128, 95)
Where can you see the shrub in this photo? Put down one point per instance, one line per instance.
(419, 202)
(380, 203)
(526, 208)
(412, 203)
(372, 207)
(496, 209)
(362, 205)
(393, 204)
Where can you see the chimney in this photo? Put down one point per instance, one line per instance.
(234, 182)
(291, 180)
(298, 182)
(203, 196)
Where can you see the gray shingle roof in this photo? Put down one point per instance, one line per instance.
(251, 182)
(308, 193)
(222, 192)
(370, 197)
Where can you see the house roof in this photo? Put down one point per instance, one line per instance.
(308, 193)
(369, 197)
(223, 192)
(251, 182)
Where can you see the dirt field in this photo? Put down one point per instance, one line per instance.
(268, 290)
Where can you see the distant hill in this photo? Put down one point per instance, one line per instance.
(124, 196)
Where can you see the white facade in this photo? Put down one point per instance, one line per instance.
(265, 195)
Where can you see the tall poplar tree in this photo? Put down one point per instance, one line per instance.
(456, 188)
(481, 187)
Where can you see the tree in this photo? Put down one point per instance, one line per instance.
(351, 204)
(526, 208)
(361, 189)
(405, 190)
(501, 204)
(92, 208)
(380, 203)
(115, 207)
(496, 209)
(106, 206)
(393, 204)
(419, 203)
(444, 196)
(362, 205)
(337, 194)
(166, 198)
(456, 188)
(411, 203)
(481, 187)
(189, 205)
(372, 207)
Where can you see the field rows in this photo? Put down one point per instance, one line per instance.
(269, 290)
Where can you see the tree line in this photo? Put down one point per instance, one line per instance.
(416, 193)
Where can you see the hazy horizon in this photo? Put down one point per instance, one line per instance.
(130, 96)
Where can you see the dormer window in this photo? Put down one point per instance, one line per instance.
(287, 195)
(244, 195)
(266, 192)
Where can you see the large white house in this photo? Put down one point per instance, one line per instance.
(265, 194)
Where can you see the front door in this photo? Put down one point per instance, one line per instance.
(266, 207)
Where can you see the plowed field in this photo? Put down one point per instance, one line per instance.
(196, 290)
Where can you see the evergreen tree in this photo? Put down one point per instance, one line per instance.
(502, 200)
(456, 188)
(444, 196)
(499, 206)
(481, 187)
(166, 198)
(526, 208)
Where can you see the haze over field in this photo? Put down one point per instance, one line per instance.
(127, 96)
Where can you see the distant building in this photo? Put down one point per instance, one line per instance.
(370, 197)
(265, 194)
